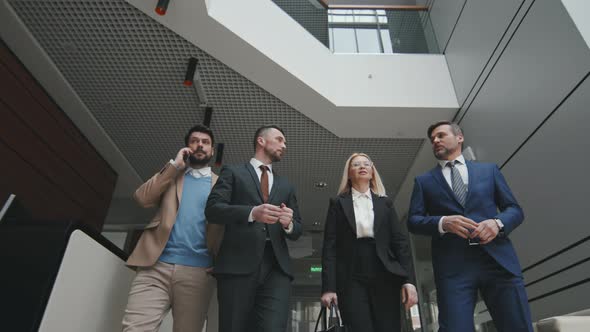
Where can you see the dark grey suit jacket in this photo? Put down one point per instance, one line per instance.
(232, 198)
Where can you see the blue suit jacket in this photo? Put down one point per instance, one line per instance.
(488, 197)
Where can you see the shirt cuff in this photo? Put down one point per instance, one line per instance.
(173, 163)
(250, 218)
(440, 226)
(289, 228)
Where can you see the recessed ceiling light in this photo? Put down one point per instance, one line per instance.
(321, 184)
(162, 7)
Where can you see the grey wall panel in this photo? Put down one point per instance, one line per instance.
(543, 62)
(559, 262)
(478, 32)
(571, 276)
(549, 176)
(444, 15)
(568, 301)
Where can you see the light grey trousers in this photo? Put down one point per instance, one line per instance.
(185, 290)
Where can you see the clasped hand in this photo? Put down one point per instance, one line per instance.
(271, 214)
(466, 228)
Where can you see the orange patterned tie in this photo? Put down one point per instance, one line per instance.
(264, 183)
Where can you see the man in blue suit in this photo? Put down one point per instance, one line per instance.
(469, 211)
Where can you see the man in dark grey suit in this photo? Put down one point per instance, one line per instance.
(259, 211)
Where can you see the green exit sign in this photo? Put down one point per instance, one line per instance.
(315, 269)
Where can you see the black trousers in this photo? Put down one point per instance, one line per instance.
(371, 301)
(257, 302)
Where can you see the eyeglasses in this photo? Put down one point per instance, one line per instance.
(357, 164)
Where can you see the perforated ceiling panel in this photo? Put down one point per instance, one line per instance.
(128, 70)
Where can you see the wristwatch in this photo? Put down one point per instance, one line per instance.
(500, 226)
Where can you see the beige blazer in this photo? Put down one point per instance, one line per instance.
(165, 190)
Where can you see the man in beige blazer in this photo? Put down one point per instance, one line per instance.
(174, 254)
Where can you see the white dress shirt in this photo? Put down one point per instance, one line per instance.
(195, 172)
(202, 172)
(460, 166)
(365, 217)
(446, 171)
(363, 213)
(256, 164)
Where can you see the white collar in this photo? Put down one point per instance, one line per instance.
(257, 163)
(199, 172)
(356, 194)
(443, 163)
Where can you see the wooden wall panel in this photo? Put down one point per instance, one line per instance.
(22, 140)
(37, 194)
(47, 162)
(87, 156)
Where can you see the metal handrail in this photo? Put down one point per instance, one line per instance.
(327, 5)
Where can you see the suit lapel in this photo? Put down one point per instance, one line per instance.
(275, 186)
(348, 209)
(252, 172)
(437, 174)
(471, 175)
(378, 212)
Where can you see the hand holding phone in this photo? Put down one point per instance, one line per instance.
(182, 157)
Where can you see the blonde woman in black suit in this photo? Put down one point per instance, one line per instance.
(366, 262)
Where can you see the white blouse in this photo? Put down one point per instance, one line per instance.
(363, 213)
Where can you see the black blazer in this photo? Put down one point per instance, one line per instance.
(232, 198)
(340, 236)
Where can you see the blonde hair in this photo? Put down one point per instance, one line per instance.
(375, 184)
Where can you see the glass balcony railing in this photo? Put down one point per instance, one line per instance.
(364, 29)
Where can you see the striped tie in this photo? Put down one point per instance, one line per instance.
(459, 187)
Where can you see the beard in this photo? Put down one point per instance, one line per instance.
(442, 153)
(196, 161)
(274, 156)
